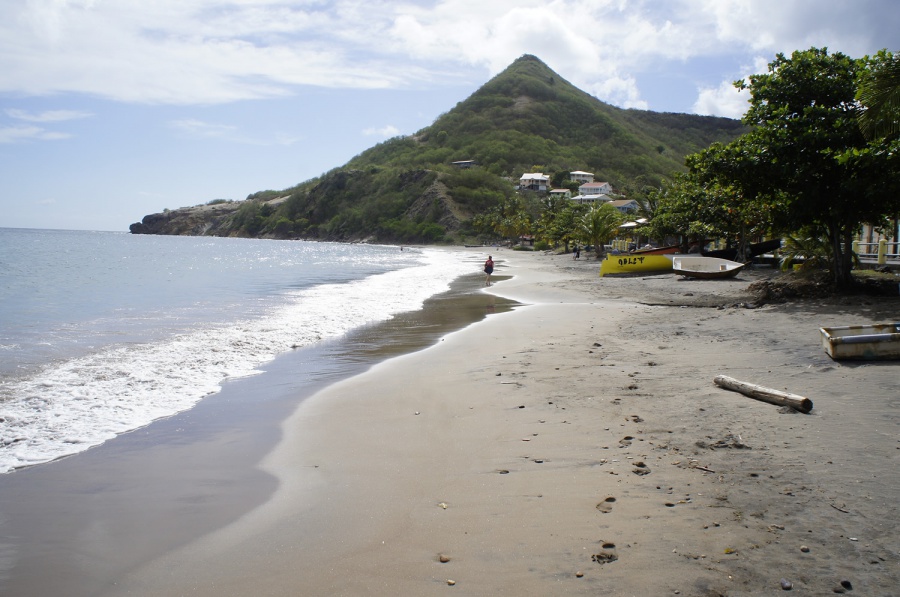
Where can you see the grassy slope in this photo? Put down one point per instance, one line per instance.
(525, 119)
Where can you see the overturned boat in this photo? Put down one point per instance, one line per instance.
(706, 268)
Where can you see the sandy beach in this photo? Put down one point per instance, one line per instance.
(577, 445)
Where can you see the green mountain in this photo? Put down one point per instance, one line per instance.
(407, 189)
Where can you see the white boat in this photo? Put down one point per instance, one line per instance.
(862, 342)
(698, 266)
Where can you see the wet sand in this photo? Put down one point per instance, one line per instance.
(76, 526)
(578, 446)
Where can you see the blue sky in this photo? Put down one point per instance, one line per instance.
(114, 109)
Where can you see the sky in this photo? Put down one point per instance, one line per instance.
(114, 109)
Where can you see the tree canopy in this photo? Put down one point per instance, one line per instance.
(805, 163)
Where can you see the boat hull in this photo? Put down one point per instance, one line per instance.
(657, 251)
(635, 264)
(705, 268)
(862, 342)
(753, 250)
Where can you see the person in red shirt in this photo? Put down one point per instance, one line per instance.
(488, 270)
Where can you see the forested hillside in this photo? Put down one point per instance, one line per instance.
(406, 189)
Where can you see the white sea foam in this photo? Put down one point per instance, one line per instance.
(70, 406)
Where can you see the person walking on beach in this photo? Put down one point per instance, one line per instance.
(488, 270)
(577, 252)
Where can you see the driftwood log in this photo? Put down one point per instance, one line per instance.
(771, 396)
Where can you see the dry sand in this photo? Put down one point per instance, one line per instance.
(578, 446)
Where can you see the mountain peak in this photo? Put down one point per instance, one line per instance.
(525, 119)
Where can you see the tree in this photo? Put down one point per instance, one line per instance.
(600, 224)
(807, 155)
(509, 219)
(879, 94)
(558, 221)
(733, 202)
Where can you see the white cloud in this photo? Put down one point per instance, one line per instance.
(385, 131)
(48, 116)
(724, 100)
(771, 26)
(198, 129)
(16, 134)
(213, 51)
(206, 130)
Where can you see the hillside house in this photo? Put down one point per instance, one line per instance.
(534, 181)
(595, 188)
(582, 177)
(561, 193)
(626, 206)
(591, 199)
(464, 164)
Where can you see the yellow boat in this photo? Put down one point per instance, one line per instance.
(635, 264)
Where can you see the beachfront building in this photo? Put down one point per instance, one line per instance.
(595, 188)
(870, 239)
(534, 181)
(581, 177)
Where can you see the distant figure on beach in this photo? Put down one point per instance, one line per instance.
(577, 252)
(488, 270)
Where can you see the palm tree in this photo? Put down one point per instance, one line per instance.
(600, 224)
(880, 95)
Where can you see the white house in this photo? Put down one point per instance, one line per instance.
(595, 188)
(561, 193)
(580, 176)
(534, 181)
(591, 199)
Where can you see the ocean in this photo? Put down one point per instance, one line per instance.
(102, 333)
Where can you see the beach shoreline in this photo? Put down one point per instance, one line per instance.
(577, 445)
(75, 525)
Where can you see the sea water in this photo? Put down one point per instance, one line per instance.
(102, 333)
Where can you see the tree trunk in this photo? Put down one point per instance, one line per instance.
(842, 248)
(769, 395)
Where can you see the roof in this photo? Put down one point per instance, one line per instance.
(535, 176)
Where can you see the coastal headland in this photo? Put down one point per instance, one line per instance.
(577, 445)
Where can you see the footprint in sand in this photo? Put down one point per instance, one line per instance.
(606, 505)
(641, 469)
(607, 555)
